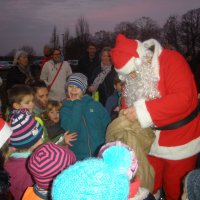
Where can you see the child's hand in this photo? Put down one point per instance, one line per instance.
(92, 89)
(70, 138)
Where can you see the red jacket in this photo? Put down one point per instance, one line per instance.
(178, 99)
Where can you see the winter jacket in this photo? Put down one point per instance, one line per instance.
(49, 70)
(20, 178)
(89, 119)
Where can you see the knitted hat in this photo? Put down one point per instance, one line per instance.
(17, 55)
(134, 166)
(48, 161)
(26, 130)
(5, 132)
(102, 179)
(192, 183)
(78, 79)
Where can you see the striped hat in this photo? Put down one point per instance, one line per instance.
(78, 79)
(5, 132)
(48, 161)
(26, 130)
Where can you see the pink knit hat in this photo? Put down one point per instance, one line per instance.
(48, 161)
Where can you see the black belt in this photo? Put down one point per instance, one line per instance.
(180, 123)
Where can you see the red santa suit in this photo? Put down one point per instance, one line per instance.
(173, 152)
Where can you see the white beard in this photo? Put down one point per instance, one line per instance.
(144, 86)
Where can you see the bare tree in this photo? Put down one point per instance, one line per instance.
(171, 32)
(54, 41)
(82, 36)
(66, 38)
(190, 31)
(126, 28)
(147, 28)
(82, 33)
(29, 50)
(103, 38)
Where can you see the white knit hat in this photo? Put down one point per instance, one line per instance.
(17, 55)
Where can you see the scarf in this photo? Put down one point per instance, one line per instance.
(102, 75)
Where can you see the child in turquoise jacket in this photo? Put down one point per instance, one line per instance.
(81, 114)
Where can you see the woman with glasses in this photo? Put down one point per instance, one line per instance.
(54, 73)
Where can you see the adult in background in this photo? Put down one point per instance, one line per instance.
(171, 107)
(40, 98)
(47, 52)
(103, 77)
(54, 73)
(89, 62)
(20, 73)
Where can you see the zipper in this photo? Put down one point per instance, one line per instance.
(88, 137)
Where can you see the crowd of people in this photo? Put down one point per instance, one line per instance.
(126, 125)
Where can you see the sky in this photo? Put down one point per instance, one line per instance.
(31, 22)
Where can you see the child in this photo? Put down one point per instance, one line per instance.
(81, 114)
(20, 97)
(192, 186)
(102, 179)
(136, 191)
(45, 164)
(114, 101)
(52, 124)
(26, 136)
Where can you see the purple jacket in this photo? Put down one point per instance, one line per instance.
(20, 179)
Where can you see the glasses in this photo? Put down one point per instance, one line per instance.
(57, 54)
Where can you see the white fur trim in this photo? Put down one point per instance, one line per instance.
(177, 152)
(127, 68)
(157, 51)
(5, 133)
(142, 113)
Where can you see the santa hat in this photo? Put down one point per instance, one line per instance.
(101, 179)
(5, 132)
(128, 53)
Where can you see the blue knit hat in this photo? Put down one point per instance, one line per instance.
(102, 179)
(192, 185)
(26, 130)
(78, 79)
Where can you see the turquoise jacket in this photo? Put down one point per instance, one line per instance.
(89, 119)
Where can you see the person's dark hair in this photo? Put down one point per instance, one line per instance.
(116, 80)
(56, 49)
(18, 92)
(91, 44)
(38, 84)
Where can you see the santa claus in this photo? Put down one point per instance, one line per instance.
(161, 93)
